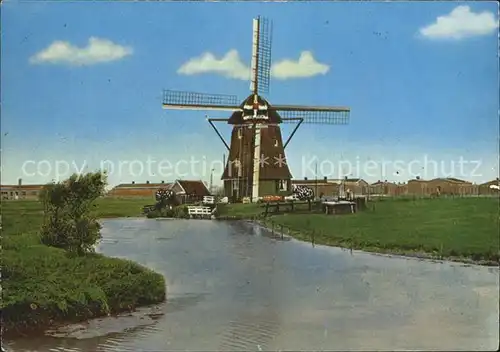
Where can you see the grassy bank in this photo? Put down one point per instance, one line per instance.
(464, 229)
(43, 285)
(121, 207)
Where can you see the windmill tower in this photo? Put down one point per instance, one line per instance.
(256, 165)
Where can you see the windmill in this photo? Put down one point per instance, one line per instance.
(256, 164)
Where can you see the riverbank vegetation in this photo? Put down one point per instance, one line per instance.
(463, 229)
(179, 212)
(50, 273)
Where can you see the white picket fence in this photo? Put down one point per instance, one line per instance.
(199, 210)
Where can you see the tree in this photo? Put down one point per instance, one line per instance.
(69, 222)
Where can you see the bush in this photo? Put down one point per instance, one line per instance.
(176, 212)
(181, 211)
(68, 221)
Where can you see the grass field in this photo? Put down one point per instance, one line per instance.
(121, 207)
(464, 229)
(43, 284)
(460, 228)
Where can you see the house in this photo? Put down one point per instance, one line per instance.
(189, 191)
(417, 186)
(485, 189)
(449, 186)
(320, 187)
(386, 188)
(357, 186)
(445, 186)
(20, 191)
(334, 187)
(137, 189)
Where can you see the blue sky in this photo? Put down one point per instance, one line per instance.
(421, 79)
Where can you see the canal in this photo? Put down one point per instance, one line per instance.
(232, 286)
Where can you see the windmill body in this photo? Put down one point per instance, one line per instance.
(256, 165)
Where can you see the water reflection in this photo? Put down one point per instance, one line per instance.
(232, 286)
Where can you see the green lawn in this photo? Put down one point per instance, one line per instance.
(122, 207)
(240, 210)
(460, 227)
(251, 210)
(43, 284)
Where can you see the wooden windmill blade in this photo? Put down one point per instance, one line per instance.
(261, 55)
(318, 115)
(174, 99)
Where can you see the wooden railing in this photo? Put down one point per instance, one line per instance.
(208, 200)
(199, 210)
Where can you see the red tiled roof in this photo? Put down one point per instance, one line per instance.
(197, 188)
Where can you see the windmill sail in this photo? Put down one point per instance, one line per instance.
(261, 55)
(264, 55)
(174, 99)
(319, 115)
(255, 60)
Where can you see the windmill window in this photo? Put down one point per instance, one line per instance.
(275, 142)
(239, 133)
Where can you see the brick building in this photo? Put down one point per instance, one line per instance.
(137, 189)
(20, 191)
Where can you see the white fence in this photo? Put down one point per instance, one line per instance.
(209, 200)
(192, 210)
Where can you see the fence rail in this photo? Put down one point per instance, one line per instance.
(208, 200)
(199, 210)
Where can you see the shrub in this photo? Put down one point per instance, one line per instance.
(68, 221)
(181, 211)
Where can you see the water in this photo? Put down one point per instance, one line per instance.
(233, 287)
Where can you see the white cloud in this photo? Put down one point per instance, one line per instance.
(306, 66)
(97, 51)
(231, 66)
(461, 23)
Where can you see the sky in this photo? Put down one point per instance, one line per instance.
(82, 87)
